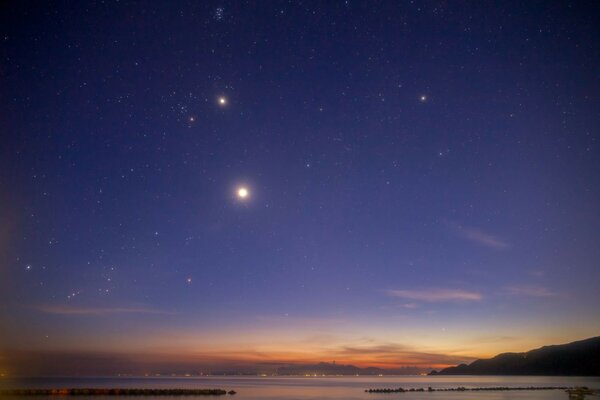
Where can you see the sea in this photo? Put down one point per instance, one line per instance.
(312, 388)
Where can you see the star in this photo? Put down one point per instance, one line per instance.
(189, 280)
(222, 101)
(423, 98)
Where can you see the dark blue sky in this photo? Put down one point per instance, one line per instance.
(422, 177)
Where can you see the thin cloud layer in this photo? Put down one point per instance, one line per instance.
(529, 291)
(71, 310)
(89, 363)
(435, 295)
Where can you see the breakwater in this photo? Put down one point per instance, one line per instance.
(115, 392)
(469, 389)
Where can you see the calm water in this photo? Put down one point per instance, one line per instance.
(310, 388)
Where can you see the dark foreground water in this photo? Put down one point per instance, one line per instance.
(312, 388)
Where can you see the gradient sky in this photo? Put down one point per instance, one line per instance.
(422, 178)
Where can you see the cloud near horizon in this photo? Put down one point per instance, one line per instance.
(436, 295)
(387, 356)
(90, 363)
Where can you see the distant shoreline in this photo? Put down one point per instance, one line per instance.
(173, 376)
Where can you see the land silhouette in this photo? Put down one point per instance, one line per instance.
(580, 358)
(325, 368)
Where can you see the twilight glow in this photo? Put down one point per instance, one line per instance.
(379, 184)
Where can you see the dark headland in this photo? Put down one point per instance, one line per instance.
(581, 358)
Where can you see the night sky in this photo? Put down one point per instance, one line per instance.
(419, 182)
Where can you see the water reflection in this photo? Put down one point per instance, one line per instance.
(313, 388)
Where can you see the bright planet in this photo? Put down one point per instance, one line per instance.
(242, 193)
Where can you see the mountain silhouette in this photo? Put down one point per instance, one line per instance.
(340, 369)
(581, 358)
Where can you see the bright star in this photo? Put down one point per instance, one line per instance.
(222, 101)
(423, 98)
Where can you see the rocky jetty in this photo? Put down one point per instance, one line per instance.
(470, 389)
(114, 392)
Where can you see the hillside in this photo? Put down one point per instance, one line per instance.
(581, 358)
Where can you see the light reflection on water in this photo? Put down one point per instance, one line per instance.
(313, 388)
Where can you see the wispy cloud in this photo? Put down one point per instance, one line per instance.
(435, 295)
(495, 339)
(538, 273)
(529, 291)
(410, 305)
(289, 320)
(479, 236)
(74, 310)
